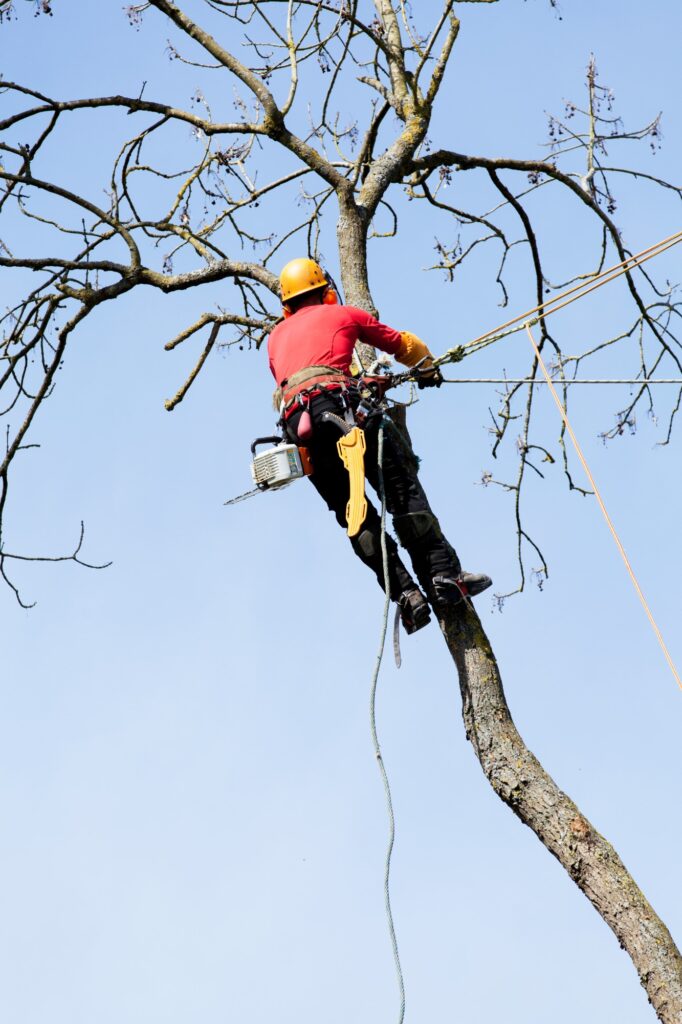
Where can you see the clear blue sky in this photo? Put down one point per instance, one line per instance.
(193, 823)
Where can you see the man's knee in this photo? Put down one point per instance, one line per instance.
(415, 528)
(367, 543)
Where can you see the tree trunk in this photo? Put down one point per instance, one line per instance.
(519, 779)
(512, 770)
(351, 233)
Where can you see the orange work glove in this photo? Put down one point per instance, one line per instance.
(410, 352)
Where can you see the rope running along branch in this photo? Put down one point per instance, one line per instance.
(375, 736)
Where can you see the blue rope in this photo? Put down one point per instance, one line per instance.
(375, 737)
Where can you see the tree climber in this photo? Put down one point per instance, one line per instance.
(310, 355)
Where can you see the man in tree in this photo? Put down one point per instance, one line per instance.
(310, 357)
(179, 209)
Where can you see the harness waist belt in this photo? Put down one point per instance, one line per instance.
(309, 379)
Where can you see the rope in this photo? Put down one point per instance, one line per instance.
(564, 416)
(553, 305)
(375, 737)
(644, 381)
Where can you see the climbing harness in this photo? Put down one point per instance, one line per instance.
(301, 386)
(278, 466)
(351, 446)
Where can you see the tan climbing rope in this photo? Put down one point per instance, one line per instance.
(609, 523)
(553, 305)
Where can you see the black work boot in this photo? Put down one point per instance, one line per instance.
(450, 590)
(414, 610)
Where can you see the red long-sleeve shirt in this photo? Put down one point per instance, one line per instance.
(325, 336)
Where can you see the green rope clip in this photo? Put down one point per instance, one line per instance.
(453, 355)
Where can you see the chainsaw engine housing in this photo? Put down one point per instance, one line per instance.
(277, 467)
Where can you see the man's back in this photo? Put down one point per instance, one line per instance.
(322, 335)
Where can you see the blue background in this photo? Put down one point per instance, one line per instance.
(194, 826)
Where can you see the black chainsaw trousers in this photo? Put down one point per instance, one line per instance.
(415, 525)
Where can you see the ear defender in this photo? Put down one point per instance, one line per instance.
(329, 298)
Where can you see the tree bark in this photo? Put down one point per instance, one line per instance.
(521, 782)
(351, 233)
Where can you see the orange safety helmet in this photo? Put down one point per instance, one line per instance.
(301, 276)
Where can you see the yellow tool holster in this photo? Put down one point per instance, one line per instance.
(351, 449)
